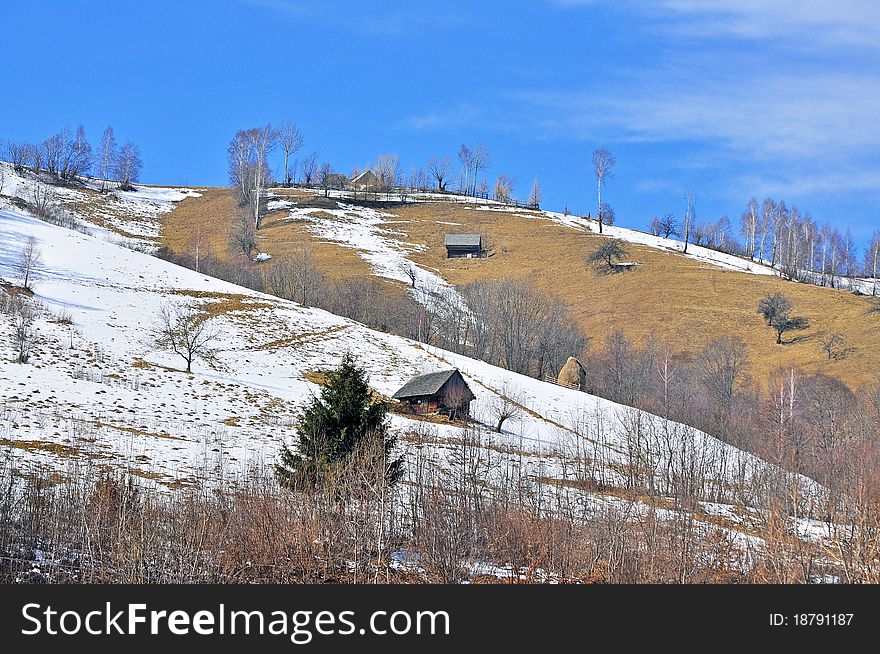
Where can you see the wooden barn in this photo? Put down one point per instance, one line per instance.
(437, 392)
(463, 245)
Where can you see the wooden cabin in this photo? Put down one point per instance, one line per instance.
(443, 392)
(463, 246)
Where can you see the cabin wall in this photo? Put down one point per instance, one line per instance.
(459, 252)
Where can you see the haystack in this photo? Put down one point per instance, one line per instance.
(572, 375)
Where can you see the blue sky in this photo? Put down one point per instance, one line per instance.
(730, 98)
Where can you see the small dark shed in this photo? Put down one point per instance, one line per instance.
(463, 245)
(437, 392)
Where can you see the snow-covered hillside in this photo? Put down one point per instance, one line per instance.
(372, 234)
(97, 388)
(129, 217)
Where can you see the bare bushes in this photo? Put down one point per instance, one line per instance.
(21, 314)
(24, 334)
(517, 327)
(476, 511)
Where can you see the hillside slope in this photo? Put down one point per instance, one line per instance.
(98, 395)
(681, 301)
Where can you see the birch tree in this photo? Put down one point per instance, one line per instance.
(466, 158)
(603, 167)
(248, 165)
(872, 258)
(749, 222)
(29, 260)
(128, 165)
(482, 160)
(690, 215)
(106, 155)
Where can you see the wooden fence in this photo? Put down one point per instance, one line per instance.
(412, 194)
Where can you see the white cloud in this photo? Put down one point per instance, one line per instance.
(807, 22)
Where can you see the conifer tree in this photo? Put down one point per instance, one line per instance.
(345, 425)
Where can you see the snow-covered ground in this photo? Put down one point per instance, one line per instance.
(97, 389)
(130, 217)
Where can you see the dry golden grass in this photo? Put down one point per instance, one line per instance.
(676, 300)
(209, 217)
(679, 301)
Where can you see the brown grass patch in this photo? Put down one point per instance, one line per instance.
(299, 339)
(12, 290)
(41, 446)
(132, 430)
(318, 377)
(210, 216)
(220, 304)
(668, 297)
(681, 301)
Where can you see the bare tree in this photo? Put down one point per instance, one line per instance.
(18, 154)
(309, 167)
(35, 157)
(24, 333)
(42, 199)
(504, 186)
(603, 168)
(607, 256)
(721, 367)
(197, 249)
(249, 168)
(325, 178)
(482, 159)
(667, 226)
(505, 406)
(690, 216)
(53, 151)
(307, 278)
(128, 166)
(749, 227)
(834, 346)
(29, 262)
(608, 214)
(774, 305)
(243, 236)
(106, 155)
(535, 195)
(387, 169)
(785, 323)
(291, 141)
(186, 331)
(872, 259)
(466, 158)
(298, 278)
(409, 269)
(439, 168)
(2, 177)
(80, 161)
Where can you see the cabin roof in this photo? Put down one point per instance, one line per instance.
(459, 240)
(424, 384)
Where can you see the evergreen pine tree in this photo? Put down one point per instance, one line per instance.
(343, 422)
